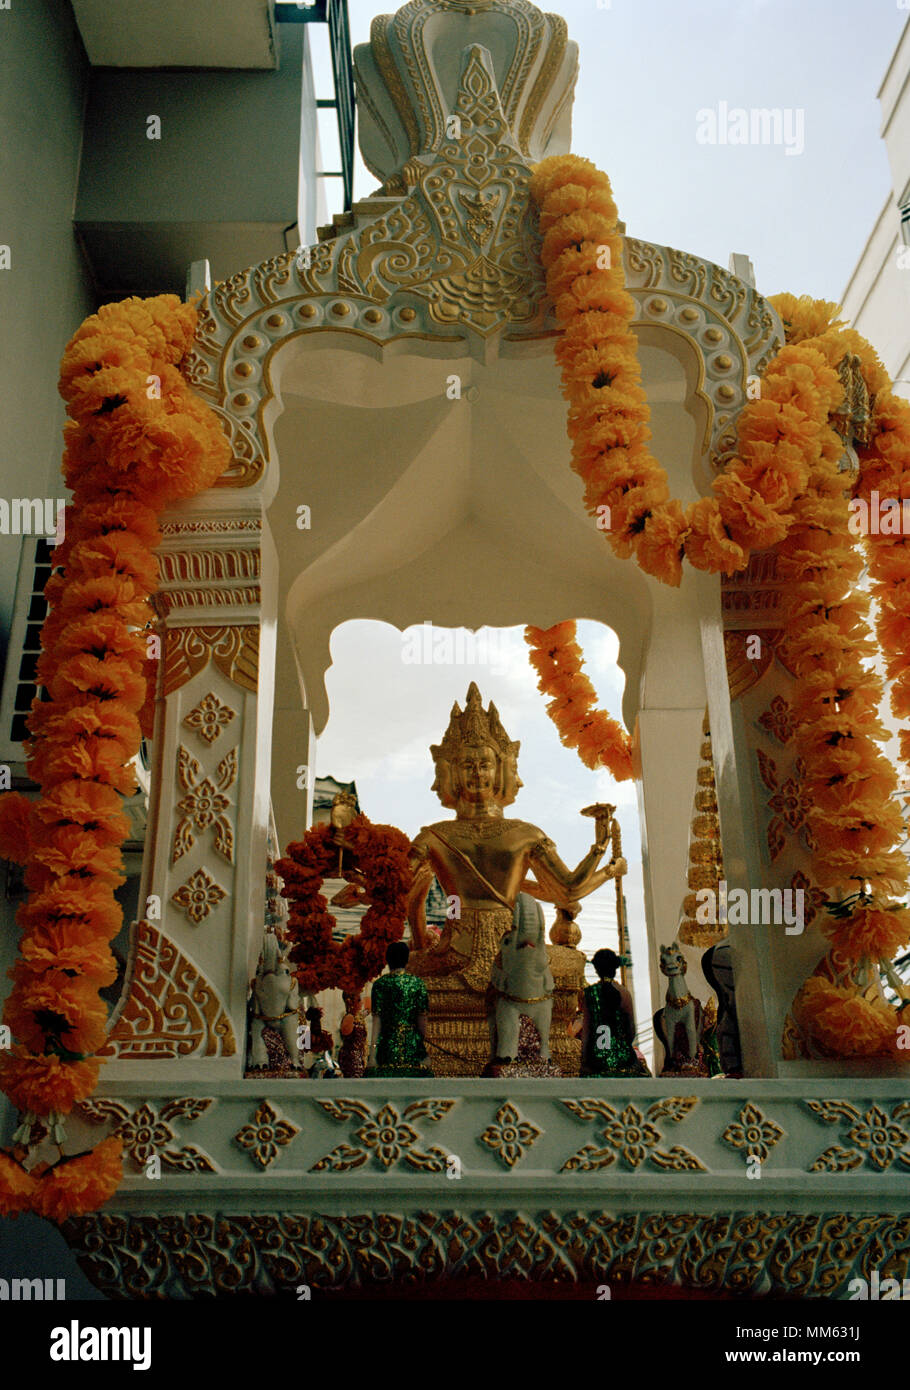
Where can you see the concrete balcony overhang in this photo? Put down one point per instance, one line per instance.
(173, 34)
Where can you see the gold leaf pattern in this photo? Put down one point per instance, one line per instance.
(677, 1160)
(775, 1255)
(204, 805)
(171, 1010)
(877, 1138)
(198, 896)
(779, 720)
(145, 1134)
(385, 1136)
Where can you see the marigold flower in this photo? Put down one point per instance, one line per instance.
(708, 545)
(844, 1024)
(875, 932)
(17, 1187)
(16, 827)
(54, 1008)
(81, 1183)
(44, 1083)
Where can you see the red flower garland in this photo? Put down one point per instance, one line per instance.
(381, 853)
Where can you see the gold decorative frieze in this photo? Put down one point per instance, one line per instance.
(194, 565)
(171, 1010)
(174, 600)
(214, 527)
(787, 1254)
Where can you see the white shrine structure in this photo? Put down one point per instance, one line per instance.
(328, 369)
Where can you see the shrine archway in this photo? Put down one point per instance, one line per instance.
(458, 506)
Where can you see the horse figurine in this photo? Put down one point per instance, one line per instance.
(679, 1023)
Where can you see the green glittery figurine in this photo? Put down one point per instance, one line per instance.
(608, 1029)
(399, 1007)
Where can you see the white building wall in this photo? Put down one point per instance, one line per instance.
(877, 297)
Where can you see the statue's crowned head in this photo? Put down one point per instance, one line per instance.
(476, 761)
(344, 809)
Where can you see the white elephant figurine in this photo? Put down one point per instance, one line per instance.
(275, 1002)
(522, 982)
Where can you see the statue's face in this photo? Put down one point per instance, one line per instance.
(477, 768)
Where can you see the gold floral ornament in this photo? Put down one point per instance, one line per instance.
(146, 1134)
(509, 1135)
(779, 720)
(877, 1138)
(632, 1136)
(753, 1132)
(813, 898)
(265, 1135)
(385, 1135)
(198, 896)
(209, 717)
(204, 804)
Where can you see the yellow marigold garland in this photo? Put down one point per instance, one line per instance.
(137, 440)
(783, 489)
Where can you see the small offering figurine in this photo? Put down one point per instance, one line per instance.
(399, 1006)
(521, 993)
(608, 1024)
(678, 1024)
(320, 1046)
(274, 1006)
(352, 1053)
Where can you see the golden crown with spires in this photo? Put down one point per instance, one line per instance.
(475, 727)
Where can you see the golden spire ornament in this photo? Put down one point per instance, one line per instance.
(706, 864)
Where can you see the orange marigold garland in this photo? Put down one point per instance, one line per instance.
(784, 489)
(599, 740)
(137, 440)
(385, 876)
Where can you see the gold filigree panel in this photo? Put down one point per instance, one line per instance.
(787, 1254)
(234, 650)
(171, 1010)
(204, 805)
(146, 1133)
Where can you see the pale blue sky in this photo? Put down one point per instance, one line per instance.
(648, 66)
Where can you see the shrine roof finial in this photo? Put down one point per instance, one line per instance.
(408, 74)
